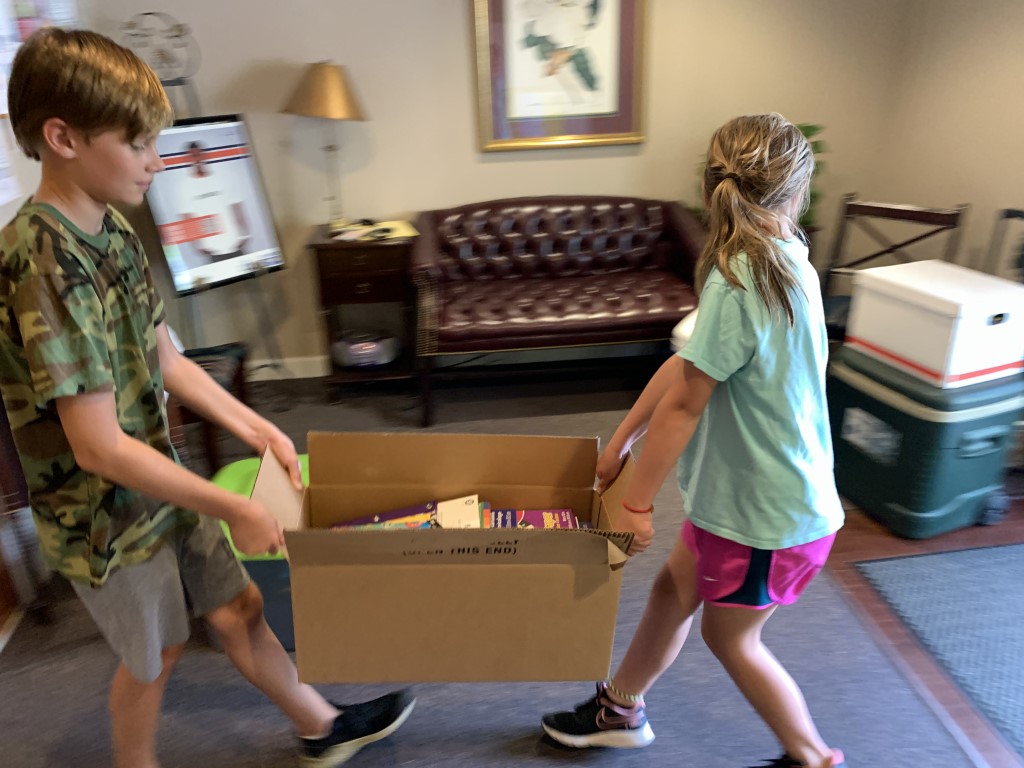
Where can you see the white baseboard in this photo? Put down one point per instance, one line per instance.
(7, 627)
(314, 366)
(289, 368)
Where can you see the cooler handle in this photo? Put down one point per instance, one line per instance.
(982, 442)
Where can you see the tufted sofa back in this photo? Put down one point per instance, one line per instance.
(546, 237)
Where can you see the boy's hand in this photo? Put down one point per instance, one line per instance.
(609, 464)
(642, 526)
(254, 530)
(284, 450)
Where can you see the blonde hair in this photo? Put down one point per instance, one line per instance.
(755, 165)
(88, 81)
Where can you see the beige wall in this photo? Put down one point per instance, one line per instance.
(956, 133)
(845, 65)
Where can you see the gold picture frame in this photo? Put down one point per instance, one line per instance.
(559, 73)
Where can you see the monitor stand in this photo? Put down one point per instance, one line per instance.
(192, 329)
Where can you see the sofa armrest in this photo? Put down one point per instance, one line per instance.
(423, 258)
(425, 273)
(691, 236)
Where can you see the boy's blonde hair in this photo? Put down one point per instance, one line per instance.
(755, 164)
(88, 81)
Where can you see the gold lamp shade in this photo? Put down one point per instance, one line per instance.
(324, 91)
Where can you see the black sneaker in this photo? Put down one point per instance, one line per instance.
(356, 726)
(838, 761)
(600, 722)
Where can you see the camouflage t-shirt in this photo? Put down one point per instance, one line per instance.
(78, 314)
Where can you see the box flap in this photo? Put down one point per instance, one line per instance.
(365, 458)
(612, 496)
(274, 490)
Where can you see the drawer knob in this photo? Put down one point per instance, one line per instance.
(363, 288)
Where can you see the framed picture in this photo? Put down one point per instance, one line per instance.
(559, 73)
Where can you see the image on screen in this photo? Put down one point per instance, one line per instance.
(209, 205)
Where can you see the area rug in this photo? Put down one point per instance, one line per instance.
(967, 609)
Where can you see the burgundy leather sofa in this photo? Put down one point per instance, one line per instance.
(550, 272)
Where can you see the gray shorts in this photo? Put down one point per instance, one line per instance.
(143, 609)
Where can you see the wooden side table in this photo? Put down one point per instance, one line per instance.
(365, 272)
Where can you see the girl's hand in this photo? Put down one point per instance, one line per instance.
(641, 525)
(609, 464)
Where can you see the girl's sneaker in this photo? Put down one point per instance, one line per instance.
(838, 761)
(600, 722)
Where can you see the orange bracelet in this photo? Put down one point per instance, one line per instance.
(635, 511)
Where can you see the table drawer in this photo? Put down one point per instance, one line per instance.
(344, 261)
(356, 288)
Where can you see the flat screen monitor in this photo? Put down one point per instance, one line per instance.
(209, 205)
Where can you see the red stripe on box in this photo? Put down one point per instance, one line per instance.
(1018, 365)
(882, 352)
(929, 372)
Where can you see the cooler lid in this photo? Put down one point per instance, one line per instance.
(941, 287)
(956, 399)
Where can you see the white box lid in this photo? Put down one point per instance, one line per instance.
(942, 287)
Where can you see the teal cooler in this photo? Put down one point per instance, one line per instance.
(269, 572)
(919, 459)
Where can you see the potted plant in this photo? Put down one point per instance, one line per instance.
(809, 221)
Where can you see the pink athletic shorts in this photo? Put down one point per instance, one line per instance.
(735, 574)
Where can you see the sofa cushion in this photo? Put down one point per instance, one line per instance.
(526, 313)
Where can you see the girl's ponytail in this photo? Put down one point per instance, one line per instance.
(755, 165)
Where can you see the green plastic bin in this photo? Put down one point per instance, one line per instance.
(269, 572)
(919, 459)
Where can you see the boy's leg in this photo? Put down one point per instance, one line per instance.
(219, 589)
(135, 712)
(142, 614)
(734, 635)
(259, 656)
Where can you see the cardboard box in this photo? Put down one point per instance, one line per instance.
(448, 605)
(942, 323)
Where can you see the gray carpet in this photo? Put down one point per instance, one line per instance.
(967, 608)
(53, 679)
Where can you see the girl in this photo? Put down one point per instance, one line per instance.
(742, 407)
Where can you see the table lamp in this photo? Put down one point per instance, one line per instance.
(324, 92)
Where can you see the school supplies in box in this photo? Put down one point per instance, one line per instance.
(463, 512)
(395, 517)
(533, 518)
(423, 520)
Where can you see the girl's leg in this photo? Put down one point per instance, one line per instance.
(663, 627)
(734, 635)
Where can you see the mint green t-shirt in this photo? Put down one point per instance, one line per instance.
(758, 470)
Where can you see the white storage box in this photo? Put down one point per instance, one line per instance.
(948, 325)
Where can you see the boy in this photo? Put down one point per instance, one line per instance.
(84, 360)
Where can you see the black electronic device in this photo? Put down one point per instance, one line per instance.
(210, 206)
